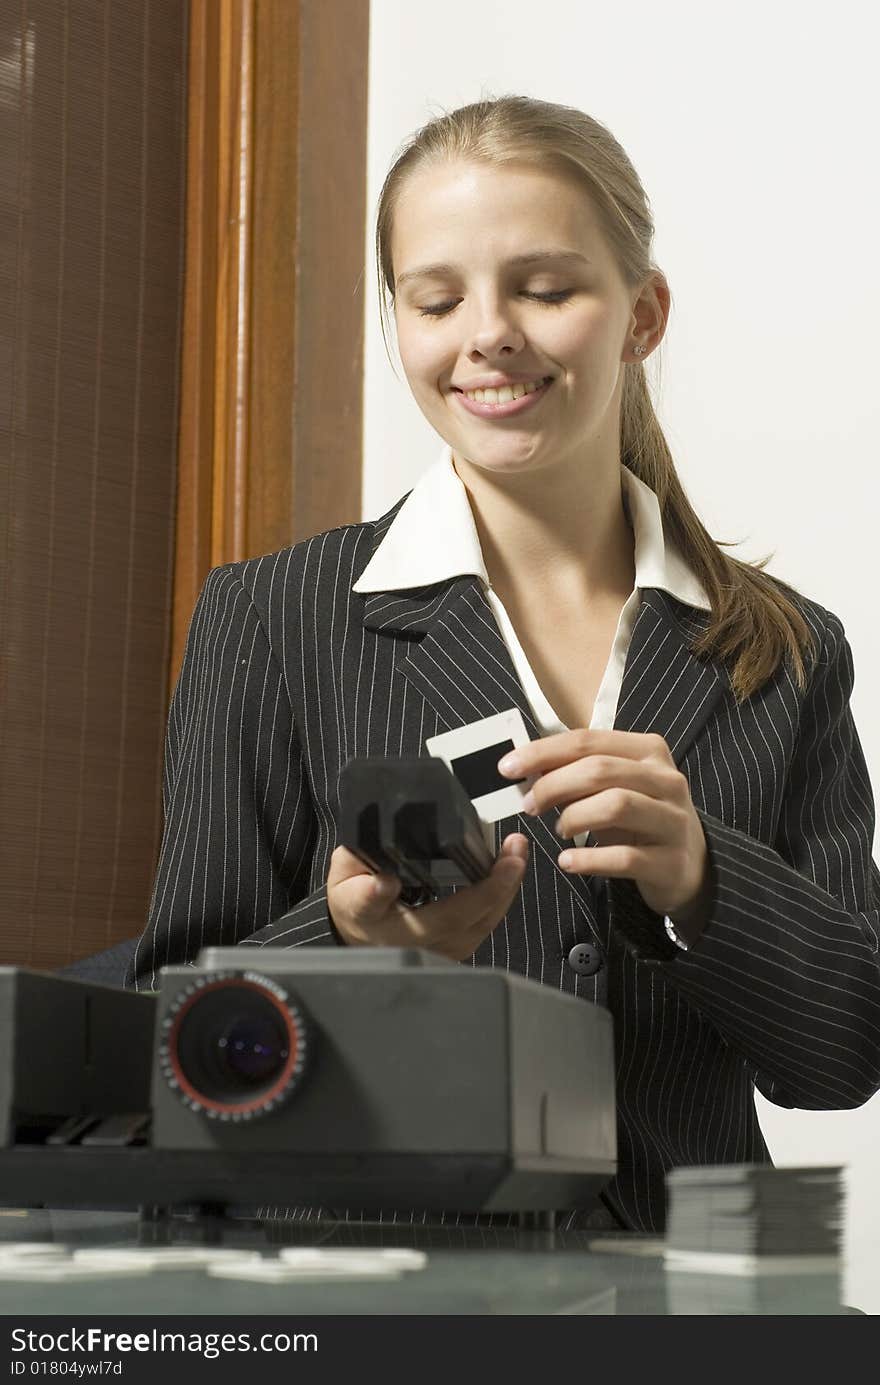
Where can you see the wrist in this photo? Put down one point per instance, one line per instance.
(686, 924)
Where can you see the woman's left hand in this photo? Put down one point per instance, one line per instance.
(624, 787)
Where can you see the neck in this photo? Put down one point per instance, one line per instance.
(561, 532)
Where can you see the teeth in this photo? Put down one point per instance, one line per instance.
(505, 394)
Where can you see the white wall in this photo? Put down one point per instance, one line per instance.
(754, 130)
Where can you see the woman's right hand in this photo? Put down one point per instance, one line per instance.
(366, 911)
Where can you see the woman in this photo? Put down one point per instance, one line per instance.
(685, 709)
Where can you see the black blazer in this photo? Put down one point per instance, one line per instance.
(288, 673)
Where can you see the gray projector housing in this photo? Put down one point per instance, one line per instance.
(429, 1084)
(69, 1048)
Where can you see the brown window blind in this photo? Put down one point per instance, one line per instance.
(92, 145)
(171, 173)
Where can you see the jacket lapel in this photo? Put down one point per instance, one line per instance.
(666, 689)
(460, 663)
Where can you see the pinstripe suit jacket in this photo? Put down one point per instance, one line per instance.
(288, 674)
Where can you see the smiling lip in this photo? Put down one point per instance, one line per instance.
(514, 406)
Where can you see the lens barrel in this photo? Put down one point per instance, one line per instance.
(234, 1045)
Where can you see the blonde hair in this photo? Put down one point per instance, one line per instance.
(755, 620)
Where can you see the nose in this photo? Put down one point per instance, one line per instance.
(493, 330)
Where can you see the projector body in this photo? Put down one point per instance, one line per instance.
(387, 1076)
(69, 1048)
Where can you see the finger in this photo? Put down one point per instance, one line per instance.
(489, 898)
(501, 884)
(369, 900)
(459, 947)
(548, 752)
(509, 866)
(585, 779)
(344, 865)
(516, 844)
(622, 810)
(460, 943)
(625, 862)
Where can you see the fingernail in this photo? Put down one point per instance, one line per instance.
(528, 803)
(510, 764)
(384, 889)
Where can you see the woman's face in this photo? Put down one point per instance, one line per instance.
(481, 313)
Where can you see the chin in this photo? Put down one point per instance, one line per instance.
(509, 457)
(499, 467)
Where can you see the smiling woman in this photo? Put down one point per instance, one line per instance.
(513, 243)
(689, 740)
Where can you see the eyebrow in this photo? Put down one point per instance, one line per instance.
(530, 257)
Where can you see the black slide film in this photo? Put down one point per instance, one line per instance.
(478, 772)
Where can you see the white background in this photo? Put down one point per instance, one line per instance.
(754, 130)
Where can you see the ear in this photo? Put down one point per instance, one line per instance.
(650, 311)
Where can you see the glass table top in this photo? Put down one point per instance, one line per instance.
(466, 1270)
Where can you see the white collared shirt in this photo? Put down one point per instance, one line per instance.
(433, 538)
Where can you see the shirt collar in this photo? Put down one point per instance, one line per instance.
(433, 538)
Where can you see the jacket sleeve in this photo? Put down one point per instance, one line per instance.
(787, 969)
(240, 825)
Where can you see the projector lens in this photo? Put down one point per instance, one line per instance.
(235, 1046)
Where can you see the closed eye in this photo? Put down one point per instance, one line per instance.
(555, 298)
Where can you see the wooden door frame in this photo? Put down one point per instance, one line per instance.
(270, 431)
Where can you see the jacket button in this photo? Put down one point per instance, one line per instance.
(585, 959)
